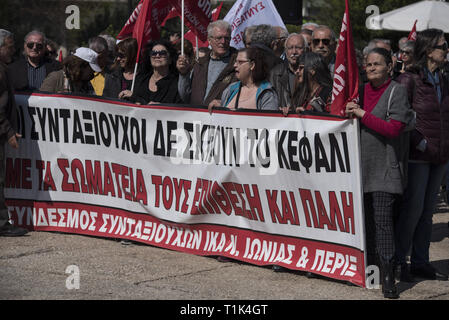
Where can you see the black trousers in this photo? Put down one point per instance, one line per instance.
(380, 211)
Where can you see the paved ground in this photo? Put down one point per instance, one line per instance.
(34, 268)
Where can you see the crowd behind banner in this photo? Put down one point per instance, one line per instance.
(403, 109)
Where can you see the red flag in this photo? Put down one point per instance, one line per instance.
(412, 34)
(216, 12)
(172, 14)
(197, 15)
(191, 36)
(145, 21)
(346, 74)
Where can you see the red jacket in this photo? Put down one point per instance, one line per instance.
(432, 117)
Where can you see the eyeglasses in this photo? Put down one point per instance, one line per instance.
(226, 39)
(442, 47)
(240, 62)
(161, 53)
(325, 41)
(39, 46)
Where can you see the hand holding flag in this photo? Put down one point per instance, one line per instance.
(346, 76)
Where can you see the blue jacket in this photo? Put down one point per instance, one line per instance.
(266, 96)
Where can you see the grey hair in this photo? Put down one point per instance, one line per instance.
(409, 44)
(324, 27)
(37, 32)
(373, 43)
(283, 33)
(220, 24)
(248, 32)
(98, 44)
(110, 40)
(3, 35)
(306, 45)
(263, 34)
(309, 24)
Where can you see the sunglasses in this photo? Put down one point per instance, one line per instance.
(120, 55)
(161, 53)
(326, 42)
(406, 52)
(442, 47)
(39, 46)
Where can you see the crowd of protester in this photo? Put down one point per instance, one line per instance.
(403, 109)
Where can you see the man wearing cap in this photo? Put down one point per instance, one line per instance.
(7, 124)
(28, 72)
(78, 70)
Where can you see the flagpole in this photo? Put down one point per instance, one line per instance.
(134, 77)
(182, 27)
(197, 53)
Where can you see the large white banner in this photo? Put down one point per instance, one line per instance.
(252, 186)
(245, 13)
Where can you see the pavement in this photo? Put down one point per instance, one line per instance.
(57, 266)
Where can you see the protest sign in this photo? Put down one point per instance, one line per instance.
(253, 186)
(245, 13)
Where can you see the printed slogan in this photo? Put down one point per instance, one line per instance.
(256, 187)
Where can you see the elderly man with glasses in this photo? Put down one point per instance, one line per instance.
(324, 43)
(29, 71)
(213, 73)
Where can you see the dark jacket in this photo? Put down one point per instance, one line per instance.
(7, 104)
(167, 89)
(199, 80)
(113, 84)
(280, 80)
(19, 72)
(432, 117)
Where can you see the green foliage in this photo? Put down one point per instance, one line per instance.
(49, 16)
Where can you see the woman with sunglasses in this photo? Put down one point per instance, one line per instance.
(252, 90)
(121, 77)
(428, 93)
(405, 58)
(157, 82)
(313, 84)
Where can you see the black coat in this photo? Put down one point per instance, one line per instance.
(113, 84)
(19, 73)
(167, 91)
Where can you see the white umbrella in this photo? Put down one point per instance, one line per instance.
(429, 13)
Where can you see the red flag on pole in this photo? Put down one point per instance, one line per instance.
(197, 15)
(216, 12)
(346, 74)
(172, 14)
(412, 34)
(191, 36)
(145, 21)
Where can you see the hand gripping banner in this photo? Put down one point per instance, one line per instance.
(252, 186)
